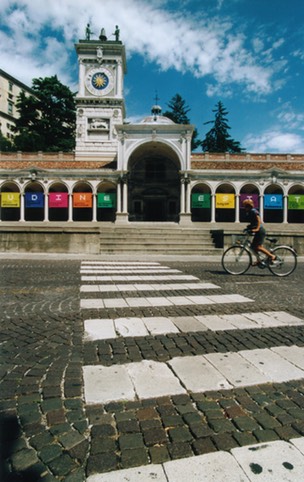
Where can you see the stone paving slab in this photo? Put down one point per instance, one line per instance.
(198, 375)
(157, 278)
(219, 467)
(296, 356)
(102, 329)
(203, 373)
(147, 287)
(277, 461)
(273, 365)
(102, 385)
(273, 461)
(236, 369)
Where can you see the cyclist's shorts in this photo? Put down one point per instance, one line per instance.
(259, 238)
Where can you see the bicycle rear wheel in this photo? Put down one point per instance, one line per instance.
(286, 261)
(236, 260)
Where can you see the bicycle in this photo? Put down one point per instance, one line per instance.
(237, 259)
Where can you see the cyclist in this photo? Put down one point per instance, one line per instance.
(255, 227)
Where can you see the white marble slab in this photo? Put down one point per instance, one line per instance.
(91, 304)
(153, 379)
(144, 473)
(106, 384)
(188, 323)
(275, 367)
(130, 327)
(198, 374)
(215, 322)
(160, 325)
(274, 461)
(213, 467)
(99, 329)
(238, 371)
(284, 317)
(294, 354)
(239, 321)
(298, 443)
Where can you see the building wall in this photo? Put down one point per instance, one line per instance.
(10, 88)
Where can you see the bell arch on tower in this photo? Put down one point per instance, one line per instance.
(154, 183)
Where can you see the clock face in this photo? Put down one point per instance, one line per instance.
(99, 81)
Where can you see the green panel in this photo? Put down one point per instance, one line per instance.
(200, 200)
(106, 200)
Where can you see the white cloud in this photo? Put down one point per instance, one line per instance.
(179, 40)
(275, 141)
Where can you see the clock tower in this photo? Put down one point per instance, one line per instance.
(100, 101)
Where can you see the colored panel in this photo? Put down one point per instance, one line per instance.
(273, 201)
(10, 200)
(200, 200)
(82, 200)
(253, 197)
(58, 200)
(34, 199)
(296, 201)
(224, 201)
(106, 200)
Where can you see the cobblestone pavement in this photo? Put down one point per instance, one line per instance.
(47, 431)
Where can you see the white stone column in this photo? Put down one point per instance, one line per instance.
(261, 210)
(81, 79)
(22, 206)
(118, 194)
(94, 207)
(285, 209)
(70, 200)
(182, 196)
(119, 86)
(213, 208)
(125, 198)
(46, 207)
(188, 197)
(237, 208)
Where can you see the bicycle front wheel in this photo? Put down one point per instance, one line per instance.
(286, 261)
(236, 260)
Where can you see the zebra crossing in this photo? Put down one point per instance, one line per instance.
(106, 288)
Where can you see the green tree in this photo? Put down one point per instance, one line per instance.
(47, 119)
(5, 144)
(178, 114)
(218, 138)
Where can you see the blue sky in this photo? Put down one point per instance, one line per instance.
(247, 53)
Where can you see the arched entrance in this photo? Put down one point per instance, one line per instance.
(154, 184)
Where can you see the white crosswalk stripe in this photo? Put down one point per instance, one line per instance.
(149, 379)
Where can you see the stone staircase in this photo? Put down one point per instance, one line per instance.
(151, 238)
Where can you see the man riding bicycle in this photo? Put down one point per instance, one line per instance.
(255, 227)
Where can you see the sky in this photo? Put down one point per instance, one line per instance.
(248, 54)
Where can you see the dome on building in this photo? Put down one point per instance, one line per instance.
(156, 117)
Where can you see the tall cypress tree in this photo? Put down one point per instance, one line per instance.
(178, 113)
(218, 138)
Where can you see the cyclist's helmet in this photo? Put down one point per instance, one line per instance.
(248, 202)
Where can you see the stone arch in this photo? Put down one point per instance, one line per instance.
(248, 191)
(154, 183)
(82, 201)
(58, 201)
(201, 204)
(273, 204)
(106, 201)
(225, 203)
(34, 201)
(10, 201)
(295, 213)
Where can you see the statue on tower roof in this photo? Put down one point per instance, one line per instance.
(88, 32)
(116, 33)
(102, 36)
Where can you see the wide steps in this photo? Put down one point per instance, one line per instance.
(158, 240)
